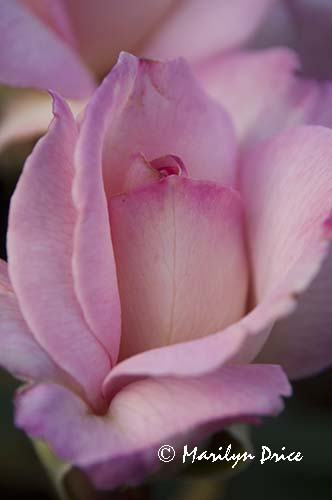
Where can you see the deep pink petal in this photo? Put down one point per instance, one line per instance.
(34, 56)
(159, 109)
(142, 417)
(195, 30)
(287, 187)
(40, 246)
(181, 261)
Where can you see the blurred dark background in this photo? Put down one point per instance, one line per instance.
(305, 425)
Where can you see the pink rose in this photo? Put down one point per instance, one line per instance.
(151, 267)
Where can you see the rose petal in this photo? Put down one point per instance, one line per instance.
(40, 245)
(146, 415)
(194, 30)
(20, 353)
(105, 27)
(158, 109)
(181, 262)
(302, 343)
(252, 86)
(36, 57)
(287, 186)
(304, 25)
(54, 15)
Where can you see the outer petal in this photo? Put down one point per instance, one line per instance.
(37, 57)
(312, 25)
(183, 274)
(262, 93)
(302, 343)
(304, 25)
(19, 352)
(40, 247)
(159, 109)
(195, 30)
(141, 418)
(287, 186)
(54, 15)
(251, 86)
(105, 27)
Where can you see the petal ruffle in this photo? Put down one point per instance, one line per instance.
(142, 417)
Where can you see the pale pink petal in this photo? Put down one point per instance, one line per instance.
(54, 14)
(263, 93)
(105, 27)
(94, 265)
(40, 246)
(146, 415)
(19, 352)
(251, 86)
(181, 262)
(239, 343)
(159, 109)
(34, 56)
(287, 187)
(196, 29)
(302, 343)
(111, 103)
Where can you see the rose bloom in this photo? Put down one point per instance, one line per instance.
(158, 275)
